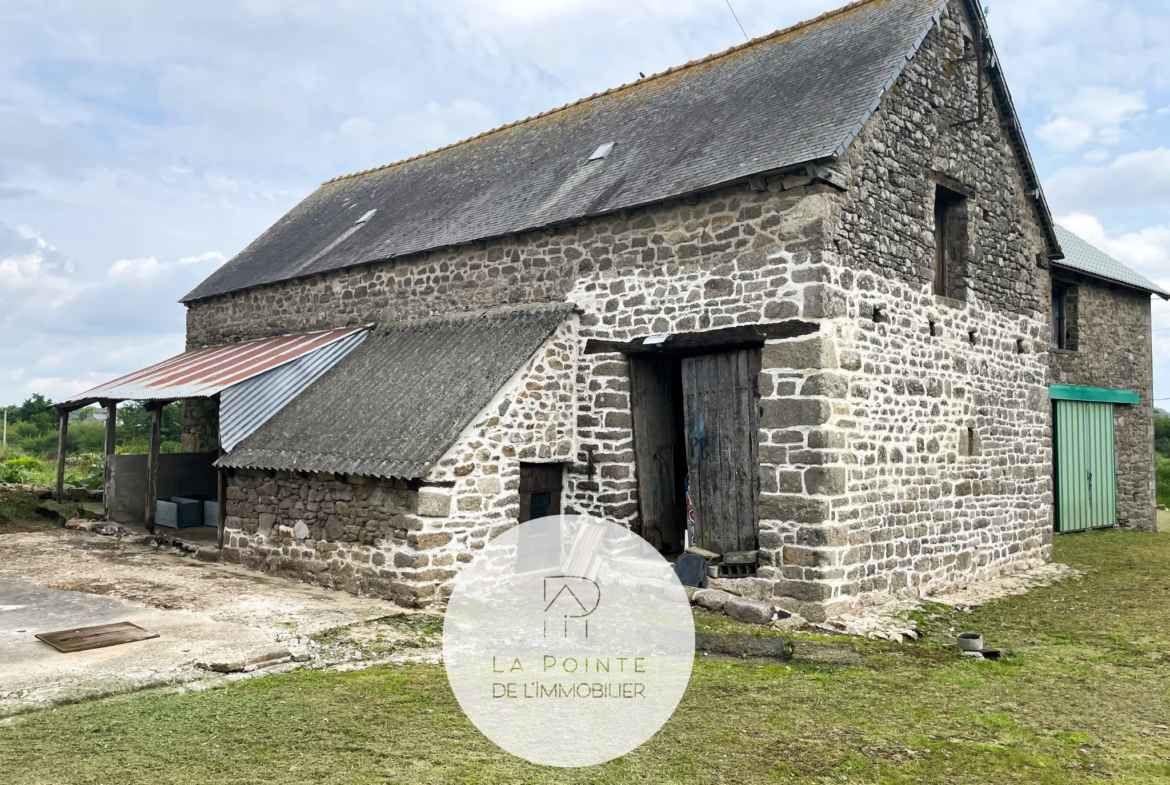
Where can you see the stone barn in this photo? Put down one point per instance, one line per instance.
(791, 303)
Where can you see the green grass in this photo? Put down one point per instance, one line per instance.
(1083, 699)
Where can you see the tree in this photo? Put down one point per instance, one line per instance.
(1162, 434)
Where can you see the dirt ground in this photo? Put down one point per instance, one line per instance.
(211, 619)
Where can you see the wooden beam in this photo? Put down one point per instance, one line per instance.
(111, 445)
(62, 433)
(725, 338)
(152, 454)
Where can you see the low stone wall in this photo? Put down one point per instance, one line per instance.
(358, 534)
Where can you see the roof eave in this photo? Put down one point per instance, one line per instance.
(1127, 284)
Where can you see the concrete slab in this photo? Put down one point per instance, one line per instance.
(204, 613)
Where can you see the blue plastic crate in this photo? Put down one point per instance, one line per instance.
(177, 512)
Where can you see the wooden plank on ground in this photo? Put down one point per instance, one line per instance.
(85, 638)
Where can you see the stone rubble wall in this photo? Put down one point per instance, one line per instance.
(403, 540)
(870, 485)
(200, 425)
(1114, 350)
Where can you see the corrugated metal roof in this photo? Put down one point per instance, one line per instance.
(202, 372)
(246, 406)
(395, 404)
(792, 97)
(1079, 255)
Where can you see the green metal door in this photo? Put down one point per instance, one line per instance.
(1086, 466)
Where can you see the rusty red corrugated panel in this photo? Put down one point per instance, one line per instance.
(207, 371)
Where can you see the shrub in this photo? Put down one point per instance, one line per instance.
(17, 505)
(1162, 468)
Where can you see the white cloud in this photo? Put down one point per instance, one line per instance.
(142, 269)
(66, 331)
(1094, 113)
(1147, 250)
(1138, 179)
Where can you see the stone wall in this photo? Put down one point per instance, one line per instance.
(200, 425)
(907, 447)
(1114, 350)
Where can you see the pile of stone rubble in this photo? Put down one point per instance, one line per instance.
(888, 621)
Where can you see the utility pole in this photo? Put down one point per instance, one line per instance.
(5, 426)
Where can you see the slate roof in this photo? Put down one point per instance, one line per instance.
(1082, 257)
(792, 97)
(398, 402)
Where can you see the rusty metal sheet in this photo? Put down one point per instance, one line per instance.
(208, 371)
(85, 638)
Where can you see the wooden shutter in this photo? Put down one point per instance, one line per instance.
(721, 411)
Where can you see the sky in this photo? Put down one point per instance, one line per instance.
(142, 144)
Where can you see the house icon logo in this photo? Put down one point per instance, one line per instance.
(567, 597)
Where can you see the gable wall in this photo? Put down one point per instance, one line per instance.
(899, 504)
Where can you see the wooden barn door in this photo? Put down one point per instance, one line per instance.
(721, 412)
(653, 398)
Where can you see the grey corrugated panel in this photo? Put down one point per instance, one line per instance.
(246, 406)
(789, 98)
(1085, 258)
(396, 403)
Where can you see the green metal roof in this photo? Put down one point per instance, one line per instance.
(1087, 259)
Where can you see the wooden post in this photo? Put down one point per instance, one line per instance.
(155, 409)
(221, 506)
(111, 445)
(62, 432)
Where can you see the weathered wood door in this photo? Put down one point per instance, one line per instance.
(660, 498)
(721, 414)
(1086, 466)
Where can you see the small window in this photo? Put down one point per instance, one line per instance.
(539, 545)
(540, 490)
(950, 238)
(1064, 299)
